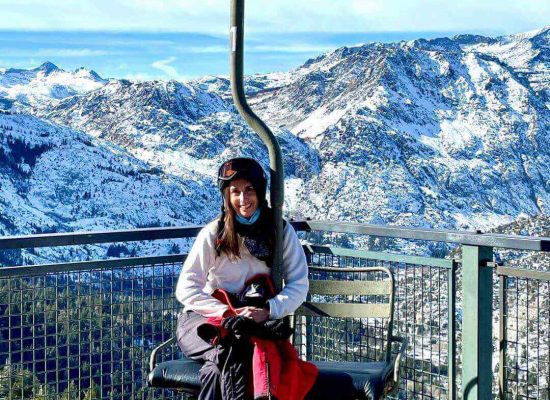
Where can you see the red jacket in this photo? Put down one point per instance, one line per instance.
(276, 369)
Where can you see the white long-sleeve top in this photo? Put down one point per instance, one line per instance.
(204, 271)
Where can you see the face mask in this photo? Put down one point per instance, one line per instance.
(248, 221)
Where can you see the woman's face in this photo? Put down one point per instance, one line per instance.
(242, 197)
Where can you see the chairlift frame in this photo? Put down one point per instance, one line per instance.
(166, 374)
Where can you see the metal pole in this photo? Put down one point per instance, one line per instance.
(477, 306)
(275, 157)
(451, 335)
(502, 389)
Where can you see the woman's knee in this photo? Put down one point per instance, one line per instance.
(181, 330)
(192, 345)
(209, 371)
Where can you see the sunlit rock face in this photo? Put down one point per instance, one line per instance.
(45, 85)
(444, 132)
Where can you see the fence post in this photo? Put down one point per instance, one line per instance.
(477, 308)
(502, 339)
(451, 332)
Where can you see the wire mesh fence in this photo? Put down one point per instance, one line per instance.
(524, 334)
(423, 314)
(86, 330)
(86, 333)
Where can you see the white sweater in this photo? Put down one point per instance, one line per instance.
(204, 271)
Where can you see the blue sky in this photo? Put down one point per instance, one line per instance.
(180, 56)
(182, 39)
(211, 16)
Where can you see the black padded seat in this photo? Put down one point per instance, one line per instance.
(344, 380)
(182, 374)
(336, 380)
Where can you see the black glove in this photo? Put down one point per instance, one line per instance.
(209, 333)
(277, 329)
(241, 326)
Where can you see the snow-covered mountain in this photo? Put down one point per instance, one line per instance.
(43, 85)
(54, 179)
(427, 132)
(526, 53)
(538, 226)
(443, 133)
(180, 127)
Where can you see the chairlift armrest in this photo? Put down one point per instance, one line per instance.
(153, 357)
(400, 355)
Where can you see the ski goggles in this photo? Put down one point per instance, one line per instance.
(241, 167)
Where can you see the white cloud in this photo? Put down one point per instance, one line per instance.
(206, 49)
(169, 70)
(56, 52)
(212, 16)
(367, 7)
(140, 76)
(253, 48)
(300, 48)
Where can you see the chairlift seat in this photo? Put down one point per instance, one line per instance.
(181, 374)
(336, 380)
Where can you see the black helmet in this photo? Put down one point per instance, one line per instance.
(246, 168)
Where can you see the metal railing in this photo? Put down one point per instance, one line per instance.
(424, 311)
(86, 329)
(524, 333)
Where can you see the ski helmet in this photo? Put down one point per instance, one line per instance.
(245, 168)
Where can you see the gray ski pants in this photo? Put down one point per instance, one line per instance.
(226, 366)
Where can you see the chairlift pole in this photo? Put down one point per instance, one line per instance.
(236, 39)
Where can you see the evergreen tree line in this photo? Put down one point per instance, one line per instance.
(82, 336)
(21, 151)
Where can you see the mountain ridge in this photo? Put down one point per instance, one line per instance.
(446, 133)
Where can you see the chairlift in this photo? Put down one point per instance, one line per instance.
(337, 380)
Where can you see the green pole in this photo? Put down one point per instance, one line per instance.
(236, 38)
(477, 306)
(502, 386)
(451, 333)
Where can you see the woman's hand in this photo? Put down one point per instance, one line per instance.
(255, 313)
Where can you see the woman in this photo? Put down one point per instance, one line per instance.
(227, 253)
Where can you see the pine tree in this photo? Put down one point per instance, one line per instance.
(20, 383)
(71, 393)
(93, 392)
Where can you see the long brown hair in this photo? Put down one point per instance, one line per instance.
(228, 240)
